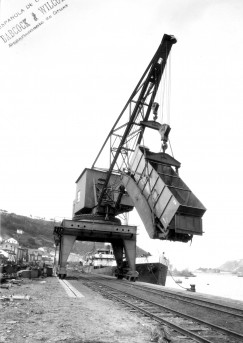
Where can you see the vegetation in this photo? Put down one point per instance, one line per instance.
(209, 270)
(35, 232)
(38, 233)
(184, 272)
(235, 266)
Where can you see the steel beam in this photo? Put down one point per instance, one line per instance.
(66, 245)
(120, 236)
(95, 231)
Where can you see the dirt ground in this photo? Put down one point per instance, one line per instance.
(50, 315)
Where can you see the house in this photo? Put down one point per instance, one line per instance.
(35, 255)
(11, 245)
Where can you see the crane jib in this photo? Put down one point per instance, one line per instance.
(147, 87)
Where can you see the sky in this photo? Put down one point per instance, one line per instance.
(63, 85)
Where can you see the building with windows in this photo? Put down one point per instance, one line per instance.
(10, 245)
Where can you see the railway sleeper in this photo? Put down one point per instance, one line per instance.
(197, 328)
(188, 325)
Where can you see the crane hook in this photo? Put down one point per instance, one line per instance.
(164, 133)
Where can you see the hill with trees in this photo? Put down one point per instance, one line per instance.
(29, 232)
(34, 233)
(235, 266)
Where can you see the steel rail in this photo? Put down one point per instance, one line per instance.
(152, 315)
(213, 326)
(199, 302)
(237, 312)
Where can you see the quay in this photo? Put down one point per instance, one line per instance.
(53, 315)
(69, 311)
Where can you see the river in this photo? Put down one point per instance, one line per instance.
(220, 284)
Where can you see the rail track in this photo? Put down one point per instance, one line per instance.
(226, 309)
(183, 325)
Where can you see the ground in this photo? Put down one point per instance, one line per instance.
(50, 315)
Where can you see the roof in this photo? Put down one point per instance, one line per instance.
(11, 240)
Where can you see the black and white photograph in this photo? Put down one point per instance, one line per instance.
(121, 175)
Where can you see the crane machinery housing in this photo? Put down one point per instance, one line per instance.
(136, 177)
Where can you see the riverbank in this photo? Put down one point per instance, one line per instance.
(42, 311)
(219, 284)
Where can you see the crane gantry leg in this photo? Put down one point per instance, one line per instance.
(65, 247)
(122, 238)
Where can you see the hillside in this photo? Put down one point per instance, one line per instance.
(36, 232)
(235, 266)
(39, 233)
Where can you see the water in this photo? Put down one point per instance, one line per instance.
(223, 284)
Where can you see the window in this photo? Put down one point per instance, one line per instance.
(78, 196)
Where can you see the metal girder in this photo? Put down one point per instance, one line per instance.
(139, 105)
(95, 231)
(121, 237)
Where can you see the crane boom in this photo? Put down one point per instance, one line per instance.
(142, 97)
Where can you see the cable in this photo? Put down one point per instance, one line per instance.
(164, 95)
(151, 270)
(169, 87)
(172, 275)
(171, 148)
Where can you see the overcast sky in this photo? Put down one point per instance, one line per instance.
(64, 84)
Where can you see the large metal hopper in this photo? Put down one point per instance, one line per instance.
(169, 198)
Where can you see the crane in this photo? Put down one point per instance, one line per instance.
(136, 177)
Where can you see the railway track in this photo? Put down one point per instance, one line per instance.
(226, 309)
(183, 327)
